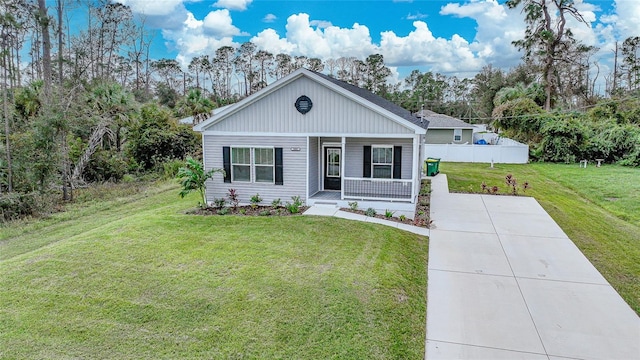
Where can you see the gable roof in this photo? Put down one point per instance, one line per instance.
(442, 121)
(361, 96)
(378, 100)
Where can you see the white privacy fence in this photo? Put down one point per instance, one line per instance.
(506, 151)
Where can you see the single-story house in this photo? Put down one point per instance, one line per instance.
(444, 129)
(324, 140)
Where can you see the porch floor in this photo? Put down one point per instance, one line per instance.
(326, 195)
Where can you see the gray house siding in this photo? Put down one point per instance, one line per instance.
(331, 113)
(314, 166)
(354, 149)
(445, 136)
(294, 168)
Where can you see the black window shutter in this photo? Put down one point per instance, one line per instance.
(397, 162)
(278, 160)
(226, 163)
(366, 164)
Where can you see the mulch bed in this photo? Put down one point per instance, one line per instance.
(421, 216)
(247, 211)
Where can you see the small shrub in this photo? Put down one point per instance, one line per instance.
(218, 203)
(223, 211)
(255, 200)
(233, 198)
(403, 218)
(276, 203)
(424, 201)
(353, 205)
(425, 188)
(389, 214)
(243, 211)
(128, 178)
(370, 212)
(170, 168)
(14, 206)
(264, 213)
(294, 207)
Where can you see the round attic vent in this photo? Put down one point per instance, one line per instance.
(304, 104)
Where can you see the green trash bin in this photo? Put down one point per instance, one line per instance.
(437, 165)
(432, 166)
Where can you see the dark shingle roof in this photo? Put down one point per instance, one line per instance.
(441, 121)
(378, 100)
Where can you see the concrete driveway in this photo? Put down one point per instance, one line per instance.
(505, 282)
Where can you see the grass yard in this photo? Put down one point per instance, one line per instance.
(135, 278)
(598, 208)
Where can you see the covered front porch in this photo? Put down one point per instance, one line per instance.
(378, 172)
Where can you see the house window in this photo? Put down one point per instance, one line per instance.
(263, 163)
(241, 164)
(457, 135)
(382, 161)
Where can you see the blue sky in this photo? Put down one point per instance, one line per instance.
(451, 37)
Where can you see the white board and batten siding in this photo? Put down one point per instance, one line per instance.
(294, 168)
(332, 113)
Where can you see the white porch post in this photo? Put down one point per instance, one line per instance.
(307, 173)
(342, 161)
(416, 166)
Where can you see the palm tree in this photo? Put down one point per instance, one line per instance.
(111, 105)
(195, 104)
(193, 177)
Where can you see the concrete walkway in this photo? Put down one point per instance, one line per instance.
(331, 210)
(505, 282)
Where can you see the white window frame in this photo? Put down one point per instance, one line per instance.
(234, 164)
(339, 151)
(256, 165)
(374, 164)
(457, 135)
(252, 164)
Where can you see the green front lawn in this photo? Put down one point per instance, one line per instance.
(135, 278)
(598, 208)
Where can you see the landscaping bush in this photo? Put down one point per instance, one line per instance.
(16, 206)
(105, 165)
(564, 139)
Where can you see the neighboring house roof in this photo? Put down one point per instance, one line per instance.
(379, 100)
(441, 121)
(189, 119)
(366, 98)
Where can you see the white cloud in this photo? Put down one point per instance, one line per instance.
(331, 42)
(497, 27)
(153, 8)
(322, 24)
(416, 16)
(163, 14)
(219, 24)
(624, 22)
(269, 18)
(240, 5)
(270, 40)
(421, 48)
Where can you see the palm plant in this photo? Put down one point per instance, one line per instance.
(195, 104)
(193, 177)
